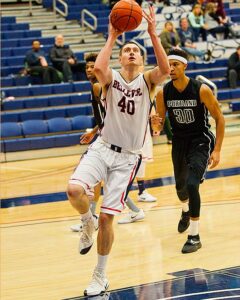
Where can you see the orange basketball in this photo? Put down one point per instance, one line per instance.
(126, 15)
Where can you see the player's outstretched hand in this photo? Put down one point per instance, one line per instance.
(86, 138)
(112, 31)
(214, 159)
(150, 19)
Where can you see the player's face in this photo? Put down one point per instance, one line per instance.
(177, 69)
(89, 70)
(131, 55)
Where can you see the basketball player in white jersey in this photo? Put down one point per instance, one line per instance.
(114, 157)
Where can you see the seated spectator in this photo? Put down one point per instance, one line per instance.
(220, 8)
(36, 65)
(213, 22)
(64, 60)
(187, 39)
(234, 68)
(196, 21)
(169, 37)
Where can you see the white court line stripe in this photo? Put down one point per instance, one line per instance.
(200, 293)
(25, 169)
(225, 297)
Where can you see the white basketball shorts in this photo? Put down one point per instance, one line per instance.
(116, 170)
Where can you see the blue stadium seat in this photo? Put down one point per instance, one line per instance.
(55, 113)
(5, 20)
(76, 111)
(82, 122)
(59, 125)
(65, 140)
(31, 115)
(41, 90)
(78, 99)
(82, 86)
(34, 127)
(62, 88)
(9, 117)
(11, 129)
(12, 105)
(59, 100)
(36, 102)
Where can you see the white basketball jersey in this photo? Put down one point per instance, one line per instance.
(127, 112)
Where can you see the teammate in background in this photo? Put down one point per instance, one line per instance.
(193, 146)
(115, 156)
(99, 113)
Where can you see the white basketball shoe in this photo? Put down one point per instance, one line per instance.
(86, 239)
(146, 197)
(132, 217)
(98, 285)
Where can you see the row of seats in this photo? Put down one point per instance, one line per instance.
(235, 105)
(8, 20)
(21, 51)
(20, 34)
(58, 132)
(26, 42)
(47, 89)
(14, 26)
(46, 113)
(47, 101)
(37, 127)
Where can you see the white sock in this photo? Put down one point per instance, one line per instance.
(86, 216)
(185, 206)
(102, 262)
(194, 227)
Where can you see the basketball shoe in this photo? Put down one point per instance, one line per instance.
(78, 227)
(86, 239)
(98, 285)
(184, 222)
(192, 244)
(132, 216)
(146, 197)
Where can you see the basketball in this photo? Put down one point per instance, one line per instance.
(126, 15)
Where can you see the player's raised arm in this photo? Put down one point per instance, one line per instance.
(160, 73)
(101, 67)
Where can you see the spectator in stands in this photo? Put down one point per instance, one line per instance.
(213, 22)
(187, 39)
(169, 37)
(234, 68)
(196, 21)
(220, 8)
(64, 60)
(36, 65)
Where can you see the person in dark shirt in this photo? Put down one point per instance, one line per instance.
(234, 68)
(194, 146)
(36, 64)
(64, 60)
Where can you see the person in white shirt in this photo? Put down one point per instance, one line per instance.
(115, 156)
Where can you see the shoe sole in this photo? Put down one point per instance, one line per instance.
(181, 231)
(140, 200)
(100, 294)
(131, 221)
(196, 249)
(85, 250)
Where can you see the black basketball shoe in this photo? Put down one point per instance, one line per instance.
(192, 244)
(184, 222)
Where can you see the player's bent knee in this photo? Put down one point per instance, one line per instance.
(75, 191)
(105, 220)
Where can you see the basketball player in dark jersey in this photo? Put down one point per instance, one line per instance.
(99, 113)
(194, 147)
